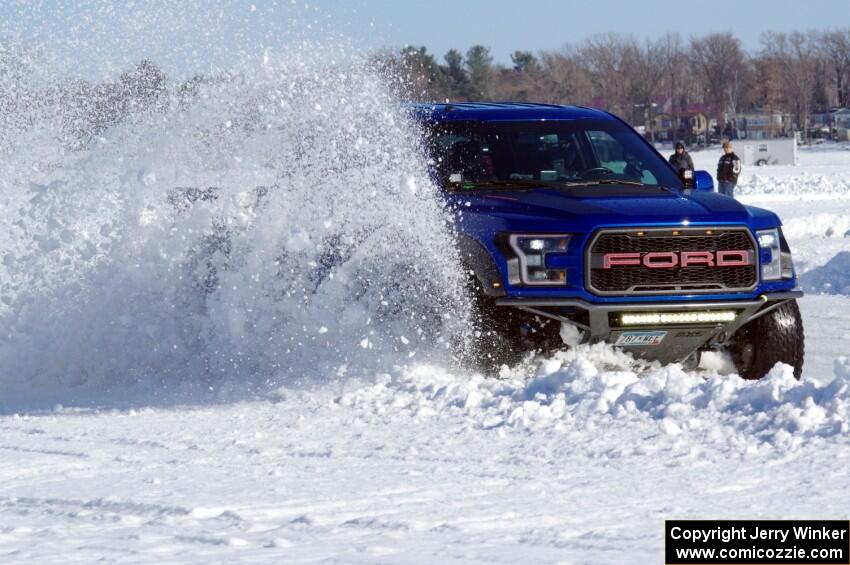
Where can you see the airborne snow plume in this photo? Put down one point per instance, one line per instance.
(257, 226)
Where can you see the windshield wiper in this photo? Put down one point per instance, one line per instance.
(607, 181)
(513, 183)
(626, 182)
(517, 184)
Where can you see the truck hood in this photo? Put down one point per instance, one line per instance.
(609, 205)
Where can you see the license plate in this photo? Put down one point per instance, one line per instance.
(640, 338)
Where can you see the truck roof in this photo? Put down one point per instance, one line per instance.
(504, 111)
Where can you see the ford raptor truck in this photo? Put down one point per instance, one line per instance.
(567, 216)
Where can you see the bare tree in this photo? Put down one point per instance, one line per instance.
(512, 84)
(649, 66)
(795, 56)
(834, 46)
(722, 66)
(676, 69)
(563, 78)
(609, 59)
(767, 91)
(518, 82)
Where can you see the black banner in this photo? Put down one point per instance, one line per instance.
(757, 542)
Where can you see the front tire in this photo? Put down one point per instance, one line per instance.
(773, 338)
(503, 336)
(494, 339)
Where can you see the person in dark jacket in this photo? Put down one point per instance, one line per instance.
(681, 160)
(728, 169)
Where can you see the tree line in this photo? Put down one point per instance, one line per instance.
(793, 73)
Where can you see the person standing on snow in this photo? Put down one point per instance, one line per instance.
(681, 159)
(682, 162)
(728, 169)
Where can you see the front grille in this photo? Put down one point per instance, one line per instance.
(639, 279)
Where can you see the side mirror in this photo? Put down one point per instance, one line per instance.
(703, 181)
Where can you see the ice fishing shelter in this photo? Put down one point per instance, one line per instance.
(770, 151)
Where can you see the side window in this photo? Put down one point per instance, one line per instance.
(464, 156)
(439, 142)
(611, 154)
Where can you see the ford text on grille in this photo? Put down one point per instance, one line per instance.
(673, 259)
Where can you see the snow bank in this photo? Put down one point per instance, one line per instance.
(825, 224)
(595, 387)
(273, 224)
(821, 173)
(831, 278)
(801, 184)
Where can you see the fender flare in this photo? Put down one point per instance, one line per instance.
(475, 258)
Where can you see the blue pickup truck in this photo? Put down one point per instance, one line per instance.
(566, 215)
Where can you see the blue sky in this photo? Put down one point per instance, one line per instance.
(93, 38)
(548, 24)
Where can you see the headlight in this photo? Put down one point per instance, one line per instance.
(775, 256)
(531, 252)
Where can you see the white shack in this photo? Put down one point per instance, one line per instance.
(769, 151)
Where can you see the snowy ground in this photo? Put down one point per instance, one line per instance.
(575, 459)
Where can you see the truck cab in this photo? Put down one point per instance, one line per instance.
(567, 216)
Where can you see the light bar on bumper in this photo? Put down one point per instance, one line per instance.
(531, 251)
(660, 318)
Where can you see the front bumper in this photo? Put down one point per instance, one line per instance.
(680, 339)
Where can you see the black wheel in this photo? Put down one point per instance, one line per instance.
(501, 335)
(775, 337)
(492, 341)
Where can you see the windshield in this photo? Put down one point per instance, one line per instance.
(468, 155)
